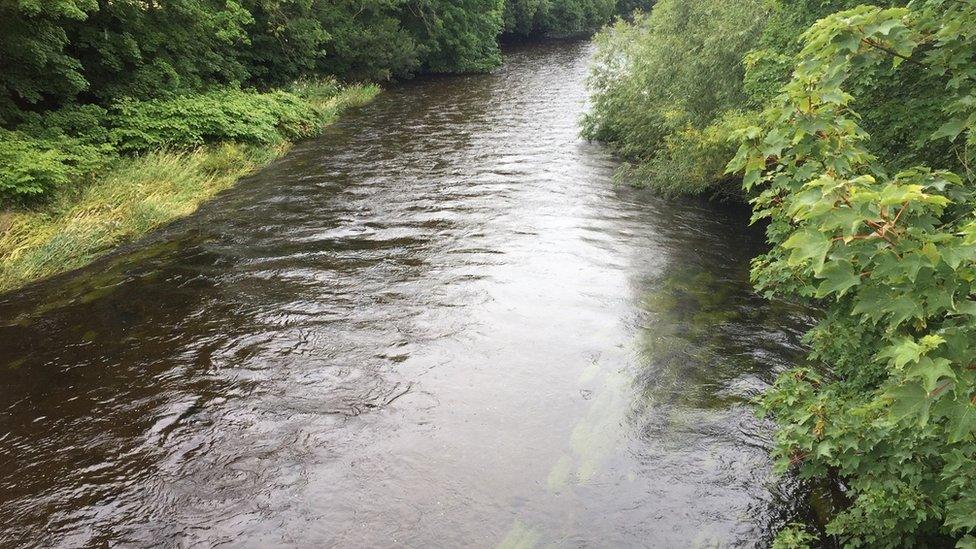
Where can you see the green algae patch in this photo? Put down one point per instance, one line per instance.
(558, 477)
(520, 536)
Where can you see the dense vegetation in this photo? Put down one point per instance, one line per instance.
(855, 130)
(93, 91)
(84, 80)
(74, 73)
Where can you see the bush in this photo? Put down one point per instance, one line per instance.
(574, 17)
(692, 160)
(87, 123)
(563, 17)
(892, 256)
(30, 168)
(193, 120)
(662, 83)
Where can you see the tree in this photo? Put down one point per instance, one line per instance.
(893, 256)
(145, 48)
(457, 36)
(34, 67)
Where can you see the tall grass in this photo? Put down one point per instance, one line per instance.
(136, 195)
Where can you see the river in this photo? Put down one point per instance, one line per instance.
(441, 324)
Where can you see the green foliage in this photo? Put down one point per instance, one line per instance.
(147, 48)
(226, 115)
(571, 17)
(560, 18)
(54, 150)
(626, 8)
(85, 122)
(33, 64)
(368, 40)
(880, 92)
(78, 77)
(66, 51)
(794, 536)
(459, 35)
(894, 257)
(770, 64)
(286, 40)
(661, 81)
(644, 103)
(522, 17)
(31, 167)
(692, 160)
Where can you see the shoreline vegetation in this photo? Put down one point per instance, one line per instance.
(851, 131)
(116, 117)
(130, 196)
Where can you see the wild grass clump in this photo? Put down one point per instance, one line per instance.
(136, 196)
(329, 99)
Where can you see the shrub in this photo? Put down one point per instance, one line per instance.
(893, 258)
(87, 123)
(692, 160)
(31, 168)
(661, 82)
(193, 120)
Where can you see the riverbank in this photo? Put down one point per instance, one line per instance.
(132, 195)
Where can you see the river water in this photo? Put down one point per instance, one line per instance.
(439, 325)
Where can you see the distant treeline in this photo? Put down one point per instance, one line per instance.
(58, 52)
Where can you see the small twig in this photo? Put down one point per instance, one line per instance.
(892, 52)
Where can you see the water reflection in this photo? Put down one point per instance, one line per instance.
(440, 324)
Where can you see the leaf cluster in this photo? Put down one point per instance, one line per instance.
(893, 257)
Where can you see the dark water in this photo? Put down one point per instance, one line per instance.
(438, 325)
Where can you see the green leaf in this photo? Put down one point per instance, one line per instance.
(930, 371)
(807, 245)
(967, 307)
(950, 129)
(905, 352)
(956, 255)
(910, 401)
(962, 420)
(899, 269)
(901, 309)
(894, 194)
(774, 143)
(839, 276)
(870, 302)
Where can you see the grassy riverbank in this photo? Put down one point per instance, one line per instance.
(130, 196)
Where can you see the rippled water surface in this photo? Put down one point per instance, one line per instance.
(440, 324)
